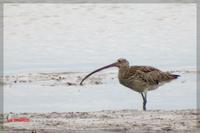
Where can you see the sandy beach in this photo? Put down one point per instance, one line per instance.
(110, 120)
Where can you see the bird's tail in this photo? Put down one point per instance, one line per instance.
(175, 76)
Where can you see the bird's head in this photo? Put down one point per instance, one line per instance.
(119, 63)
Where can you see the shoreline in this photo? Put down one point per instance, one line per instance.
(65, 78)
(125, 120)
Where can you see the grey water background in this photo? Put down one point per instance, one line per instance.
(83, 37)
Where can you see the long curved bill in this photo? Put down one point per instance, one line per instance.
(102, 68)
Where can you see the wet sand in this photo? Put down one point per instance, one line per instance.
(110, 120)
(54, 79)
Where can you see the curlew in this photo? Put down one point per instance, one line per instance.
(138, 78)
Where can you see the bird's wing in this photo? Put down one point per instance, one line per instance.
(150, 74)
(144, 69)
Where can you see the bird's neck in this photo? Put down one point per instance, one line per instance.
(123, 72)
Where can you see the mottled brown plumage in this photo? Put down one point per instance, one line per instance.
(139, 78)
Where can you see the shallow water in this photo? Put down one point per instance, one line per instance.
(178, 94)
(81, 37)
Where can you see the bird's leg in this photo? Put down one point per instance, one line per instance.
(145, 96)
(144, 101)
